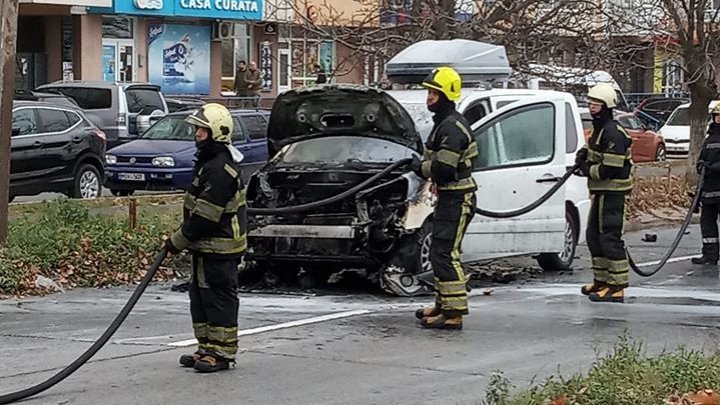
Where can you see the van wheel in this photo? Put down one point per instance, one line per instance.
(564, 259)
(87, 183)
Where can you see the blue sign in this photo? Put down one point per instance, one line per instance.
(216, 9)
(179, 58)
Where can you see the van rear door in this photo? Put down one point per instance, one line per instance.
(522, 154)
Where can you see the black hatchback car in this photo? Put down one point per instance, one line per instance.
(55, 148)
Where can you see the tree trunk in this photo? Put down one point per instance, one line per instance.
(8, 39)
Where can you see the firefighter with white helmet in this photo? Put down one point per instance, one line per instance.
(710, 197)
(606, 160)
(214, 231)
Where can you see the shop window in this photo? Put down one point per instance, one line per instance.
(119, 27)
(235, 49)
(305, 54)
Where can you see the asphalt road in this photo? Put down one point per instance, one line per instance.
(354, 349)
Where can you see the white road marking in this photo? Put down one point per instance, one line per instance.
(671, 260)
(286, 325)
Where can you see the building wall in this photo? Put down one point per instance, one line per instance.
(53, 47)
(87, 60)
(141, 40)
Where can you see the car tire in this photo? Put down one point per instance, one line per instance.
(661, 153)
(121, 193)
(411, 259)
(88, 183)
(564, 260)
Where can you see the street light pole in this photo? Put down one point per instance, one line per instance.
(8, 47)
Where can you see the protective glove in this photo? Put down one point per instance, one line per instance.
(171, 248)
(700, 165)
(416, 165)
(581, 155)
(583, 169)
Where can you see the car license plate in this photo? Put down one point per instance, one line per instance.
(131, 176)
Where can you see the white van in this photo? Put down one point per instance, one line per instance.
(527, 140)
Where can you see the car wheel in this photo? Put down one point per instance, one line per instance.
(660, 153)
(121, 193)
(409, 271)
(564, 259)
(87, 182)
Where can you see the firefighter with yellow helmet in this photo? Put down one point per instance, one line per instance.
(710, 197)
(606, 160)
(448, 162)
(214, 231)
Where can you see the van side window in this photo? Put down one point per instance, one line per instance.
(88, 98)
(523, 136)
(571, 135)
(139, 99)
(475, 112)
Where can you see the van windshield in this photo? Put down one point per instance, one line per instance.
(679, 118)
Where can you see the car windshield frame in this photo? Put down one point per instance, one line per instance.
(150, 134)
(357, 149)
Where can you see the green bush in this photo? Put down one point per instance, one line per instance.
(74, 247)
(623, 377)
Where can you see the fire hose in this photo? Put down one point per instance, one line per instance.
(120, 318)
(631, 262)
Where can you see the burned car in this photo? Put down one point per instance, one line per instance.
(338, 192)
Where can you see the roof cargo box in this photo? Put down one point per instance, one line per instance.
(474, 61)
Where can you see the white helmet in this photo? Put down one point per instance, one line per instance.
(605, 93)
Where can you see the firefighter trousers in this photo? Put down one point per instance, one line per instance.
(453, 214)
(709, 229)
(604, 239)
(214, 305)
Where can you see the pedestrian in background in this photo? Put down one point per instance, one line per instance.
(253, 79)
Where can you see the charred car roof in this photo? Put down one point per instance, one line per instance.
(332, 110)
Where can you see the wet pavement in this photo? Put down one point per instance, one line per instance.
(360, 348)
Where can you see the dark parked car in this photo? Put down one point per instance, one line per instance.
(183, 103)
(122, 110)
(55, 148)
(654, 111)
(162, 159)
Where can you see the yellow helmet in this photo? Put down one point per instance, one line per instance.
(445, 80)
(217, 119)
(605, 93)
(716, 109)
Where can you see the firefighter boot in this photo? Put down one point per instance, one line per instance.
(442, 322)
(704, 260)
(608, 294)
(426, 312)
(188, 360)
(212, 363)
(596, 286)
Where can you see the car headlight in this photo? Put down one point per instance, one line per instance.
(110, 159)
(163, 161)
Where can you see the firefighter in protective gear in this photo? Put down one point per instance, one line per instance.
(214, 231)
(448, 162)
(606, 161)
(710, 197)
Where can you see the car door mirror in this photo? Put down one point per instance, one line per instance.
(15, 131)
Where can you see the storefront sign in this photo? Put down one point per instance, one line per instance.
(179, 58)
(216, 9)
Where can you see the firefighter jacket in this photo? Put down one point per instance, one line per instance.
(214, 209)
(710, 157)
(449, 153)
(609, 155)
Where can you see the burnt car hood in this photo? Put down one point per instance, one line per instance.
(333, 110)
